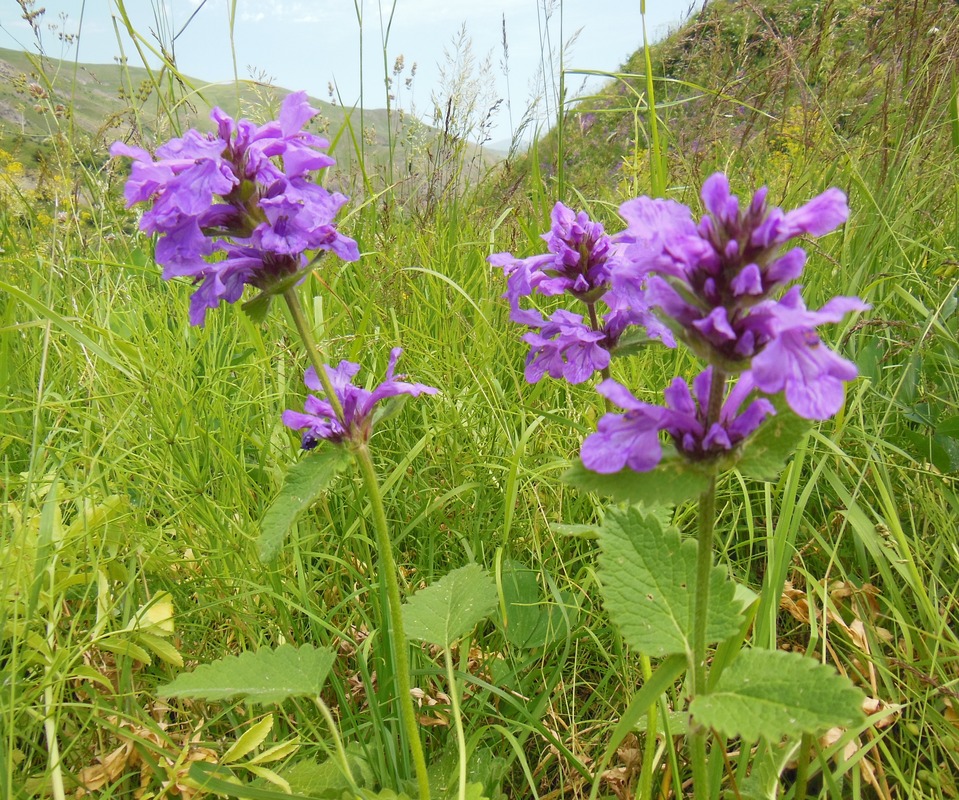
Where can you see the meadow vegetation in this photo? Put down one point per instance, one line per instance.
(138, 455)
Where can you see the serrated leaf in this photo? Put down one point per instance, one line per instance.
(251, 739)
(327, 779)
(449, 609)
(303, 484)
(530, 621)
(764, 454)
(261, 676)
(673, 481)
(649, 575)
(772, 694)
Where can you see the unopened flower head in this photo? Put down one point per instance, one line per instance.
(320, 422)
(237, 207)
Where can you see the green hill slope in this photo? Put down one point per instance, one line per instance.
(796, 82)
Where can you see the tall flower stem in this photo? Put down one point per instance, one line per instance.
(704, 564)
(312, 349)
(384, 546)
(401, 654)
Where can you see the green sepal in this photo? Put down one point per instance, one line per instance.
(257, 307)
(764, 454)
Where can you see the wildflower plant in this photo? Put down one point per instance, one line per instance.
(236, 207)
(717, 286)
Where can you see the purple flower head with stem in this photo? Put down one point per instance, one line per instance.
(632, 439)
(243, 192)
(320, 420)
(580, 262)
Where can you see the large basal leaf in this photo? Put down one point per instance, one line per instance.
(673, 481)
(764, 454)
(530, 621)
(449, 609)
(305, 480)
(261, 676)
(648, 574)
(772, 694)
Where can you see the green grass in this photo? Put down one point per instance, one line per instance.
(137, 456)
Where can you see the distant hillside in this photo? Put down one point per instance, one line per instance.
(89, 106)
(802, 82)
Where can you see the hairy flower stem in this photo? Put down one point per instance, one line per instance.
(312, 349)
(384, 546)
(401, 654)
(704, 565)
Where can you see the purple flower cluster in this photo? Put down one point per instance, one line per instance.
(715, 285)
(580, 262)
(632, 439)
(237, 207)
(320, 420)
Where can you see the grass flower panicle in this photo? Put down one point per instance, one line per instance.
(320, 421)
(237, 207)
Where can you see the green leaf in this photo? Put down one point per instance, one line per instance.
(447, 610)
(327, 779)
(261, 676)
(251, 739)
(530, 620)
(257, 307)
(124, 647)
(648, 574)
(221, 781)
(764, 454)
(673, 481)
(305, 480)
(160, 647)
(772, 694)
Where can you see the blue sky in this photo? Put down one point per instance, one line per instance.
(307, 44)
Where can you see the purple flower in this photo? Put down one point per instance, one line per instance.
(578, 260)
(244, 192)
(624, 440)
(685, 418)
(708, 279)
(798, 363)
(320, 421)
(566, 347)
